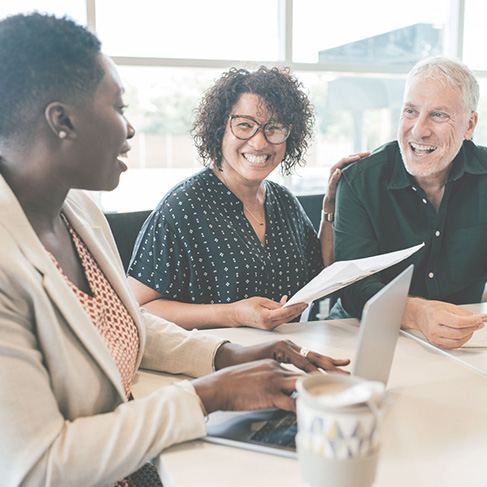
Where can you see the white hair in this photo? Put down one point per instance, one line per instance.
(451, 72)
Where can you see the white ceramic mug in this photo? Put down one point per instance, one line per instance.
(337, 446)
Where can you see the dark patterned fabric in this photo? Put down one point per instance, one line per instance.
(146, 476)
(198, 247)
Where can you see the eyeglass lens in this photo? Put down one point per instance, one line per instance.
(245, 128)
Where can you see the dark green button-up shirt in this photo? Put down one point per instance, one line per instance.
(380, 208)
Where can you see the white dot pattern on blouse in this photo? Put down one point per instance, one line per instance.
(198, 246)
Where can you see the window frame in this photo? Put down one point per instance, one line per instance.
(454, 48)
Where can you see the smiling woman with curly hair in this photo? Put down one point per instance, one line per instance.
(278, 92)
(227, 247)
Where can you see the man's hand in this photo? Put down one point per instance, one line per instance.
(262, 313)
(445, 325)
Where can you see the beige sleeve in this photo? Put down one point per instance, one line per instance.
(170, 348)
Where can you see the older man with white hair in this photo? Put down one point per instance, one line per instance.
(428, 186)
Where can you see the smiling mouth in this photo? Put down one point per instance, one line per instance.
(125, 152)
(256, 159)
(422, 149)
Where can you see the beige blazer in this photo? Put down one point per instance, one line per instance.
(64, 420)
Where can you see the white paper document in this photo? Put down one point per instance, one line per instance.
(343, 273)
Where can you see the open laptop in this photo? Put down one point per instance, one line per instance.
(273, 431)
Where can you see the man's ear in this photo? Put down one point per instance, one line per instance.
(58, 118)
(472, 123)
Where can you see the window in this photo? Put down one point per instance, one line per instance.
(372, 32)
(474, 39)
(189, 29)
(76, 9)
(351, 56)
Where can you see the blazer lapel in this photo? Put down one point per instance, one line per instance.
(103, 249)
(15, 221)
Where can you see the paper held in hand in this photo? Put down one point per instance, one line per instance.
(343, 273)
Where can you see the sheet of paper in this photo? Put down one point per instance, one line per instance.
(343, 273)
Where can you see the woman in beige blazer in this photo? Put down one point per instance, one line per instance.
(65, 411)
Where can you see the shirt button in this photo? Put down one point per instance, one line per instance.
(425, 200)
(413, 188)
(431, 275)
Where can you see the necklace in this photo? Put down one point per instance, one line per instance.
(254, 217)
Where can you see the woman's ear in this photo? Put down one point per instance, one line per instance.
(58, 118)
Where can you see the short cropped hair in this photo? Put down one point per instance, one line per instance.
(450, 72)
(43, 59)
(279, 91)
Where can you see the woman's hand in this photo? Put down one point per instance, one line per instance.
(252, 377)
(262, 313)
(255, 385)
(282, 351)
(335, 174)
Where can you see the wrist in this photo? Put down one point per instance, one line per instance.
(327, 216)
(410, 319)
(208, 393)
(328, 205)
(222, 354)
(227, 355)
(231, 314)
(218, 315)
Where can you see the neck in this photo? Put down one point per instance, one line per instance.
(434, 182)
(434, 187)
(251, 194)
(39, 196)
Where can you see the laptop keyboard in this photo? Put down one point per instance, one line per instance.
(279, 430)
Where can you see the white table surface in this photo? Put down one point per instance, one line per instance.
(434, 435)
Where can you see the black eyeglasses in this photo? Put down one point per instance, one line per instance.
(244, 128)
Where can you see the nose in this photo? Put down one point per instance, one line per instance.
(130, 129)
(258, 140)
(422, 126)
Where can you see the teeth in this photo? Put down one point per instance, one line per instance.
(256, 159)
(124, 155)
(423, 148)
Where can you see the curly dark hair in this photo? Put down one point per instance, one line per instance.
(43, 59)
(279, 91)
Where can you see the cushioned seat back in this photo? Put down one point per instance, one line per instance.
(125, 228)
(312, 205)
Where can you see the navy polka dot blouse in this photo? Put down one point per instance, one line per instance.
(198, 247)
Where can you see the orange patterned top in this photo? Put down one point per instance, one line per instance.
(107, 312)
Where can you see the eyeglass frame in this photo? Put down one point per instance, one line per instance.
(259, 126)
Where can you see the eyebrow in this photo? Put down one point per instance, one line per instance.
(434, 109)
(271, 120)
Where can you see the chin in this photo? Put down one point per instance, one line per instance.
(423, 171)
(107, 186)
(111, 187)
